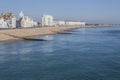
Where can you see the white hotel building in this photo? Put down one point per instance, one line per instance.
(76, 23)
(68, 23)
(25, 21)
(59, 23)
(48, 20)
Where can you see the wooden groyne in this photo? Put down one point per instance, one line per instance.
(25, 38)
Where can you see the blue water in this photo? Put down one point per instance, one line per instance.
(87, 54)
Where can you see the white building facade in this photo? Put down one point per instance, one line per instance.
(7, 20)
(11, 23)
(47, 20)
(74, 23)
(58, 23)
(3, 24)
(25, 21)
(68, 23)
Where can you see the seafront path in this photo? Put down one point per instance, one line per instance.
(29, 32)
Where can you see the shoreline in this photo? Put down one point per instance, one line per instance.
(29, 32)
(38, 31)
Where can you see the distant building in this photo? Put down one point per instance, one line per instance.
(25, 21)
(47, 20)
(8, 20)
(76, 23)
(3, 24)
(68, 23)
(59, 23)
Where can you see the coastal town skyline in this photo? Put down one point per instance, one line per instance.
(93, 11)
(9, 20)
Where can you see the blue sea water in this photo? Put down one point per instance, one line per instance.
(87, 54)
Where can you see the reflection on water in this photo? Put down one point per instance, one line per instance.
(87, 54)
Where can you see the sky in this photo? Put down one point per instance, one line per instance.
(90, 11)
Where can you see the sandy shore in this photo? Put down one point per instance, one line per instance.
(31, 32)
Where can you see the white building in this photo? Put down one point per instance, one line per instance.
(3, 24)
(74, 23)
(8, 20)
(59, 23)
(11, 22)
(25, 21)
(47, 20)
(68, 23)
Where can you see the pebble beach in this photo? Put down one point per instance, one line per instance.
(31, 32)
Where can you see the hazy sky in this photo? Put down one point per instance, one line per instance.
(91, 11)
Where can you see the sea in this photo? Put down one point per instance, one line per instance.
(86, 54)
